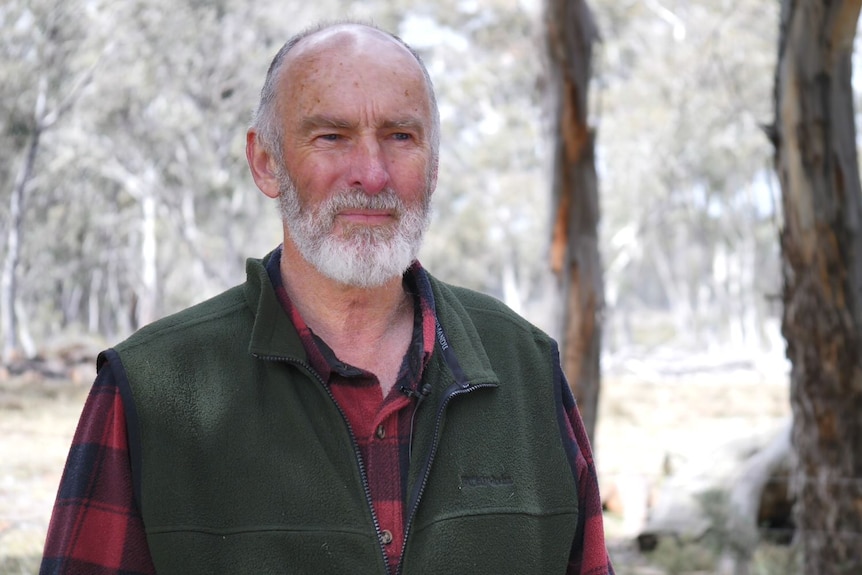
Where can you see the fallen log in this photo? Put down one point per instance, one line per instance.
(731, 490)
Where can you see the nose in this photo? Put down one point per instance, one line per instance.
(369, 171)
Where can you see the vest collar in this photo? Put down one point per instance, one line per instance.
(459, 332)
(274, 335)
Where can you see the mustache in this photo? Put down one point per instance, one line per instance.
(387, 200)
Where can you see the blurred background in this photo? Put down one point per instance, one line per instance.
(124, 196)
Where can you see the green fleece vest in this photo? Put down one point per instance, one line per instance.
(245, 464)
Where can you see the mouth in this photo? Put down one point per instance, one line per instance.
(366, 217)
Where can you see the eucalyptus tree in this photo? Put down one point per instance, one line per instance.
(816, 159)
(571, 36)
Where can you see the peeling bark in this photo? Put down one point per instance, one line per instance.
(815, 157)
(571, 33)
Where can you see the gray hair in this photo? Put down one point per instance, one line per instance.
(265, 120)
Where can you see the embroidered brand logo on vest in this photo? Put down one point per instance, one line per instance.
(486, 480)
(441, 337)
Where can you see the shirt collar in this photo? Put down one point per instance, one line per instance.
(320, 355)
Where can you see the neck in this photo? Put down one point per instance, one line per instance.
(369, 328)
(330, 307)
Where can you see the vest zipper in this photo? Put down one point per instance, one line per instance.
(353, 443)
(453, 390)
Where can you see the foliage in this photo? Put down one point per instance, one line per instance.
(685, 169)
(678, 557)
(14, 565)
(775, 560)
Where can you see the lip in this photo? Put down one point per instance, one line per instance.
(366, 217)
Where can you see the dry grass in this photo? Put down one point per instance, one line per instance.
(37, 421)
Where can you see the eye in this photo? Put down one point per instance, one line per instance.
(330, 137)
(402, 136)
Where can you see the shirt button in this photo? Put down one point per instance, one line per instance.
(386, 537)
(381, 432)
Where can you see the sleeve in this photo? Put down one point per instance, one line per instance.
(589, 554)
(96, 526)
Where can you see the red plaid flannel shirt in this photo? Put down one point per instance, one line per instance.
(97, 529)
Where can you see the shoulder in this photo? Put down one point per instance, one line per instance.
(216, 317)
(482, 308)
(468, 315)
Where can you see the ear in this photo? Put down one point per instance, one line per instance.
(432, 180)
(261, 164)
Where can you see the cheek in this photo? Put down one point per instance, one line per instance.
(312, 168)
(316, 181)
(412, 176)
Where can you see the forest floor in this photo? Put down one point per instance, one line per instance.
(648, 419)
(38, 416)
(659, 416)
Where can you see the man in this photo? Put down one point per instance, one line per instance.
(342, 411)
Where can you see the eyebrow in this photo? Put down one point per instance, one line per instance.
(407, 124)
(318, 122)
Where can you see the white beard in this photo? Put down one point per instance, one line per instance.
(360, 256)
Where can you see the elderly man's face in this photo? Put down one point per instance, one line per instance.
(358, 173)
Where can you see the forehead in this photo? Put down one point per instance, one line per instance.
(335, 63)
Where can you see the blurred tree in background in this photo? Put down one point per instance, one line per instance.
(574, 252)
(688, 194)
(42, 76)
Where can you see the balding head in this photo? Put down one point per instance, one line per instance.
(308, 47)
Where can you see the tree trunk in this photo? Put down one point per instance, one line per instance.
(9, 276)
(147, 308)
(571, 33)
(815, 156)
